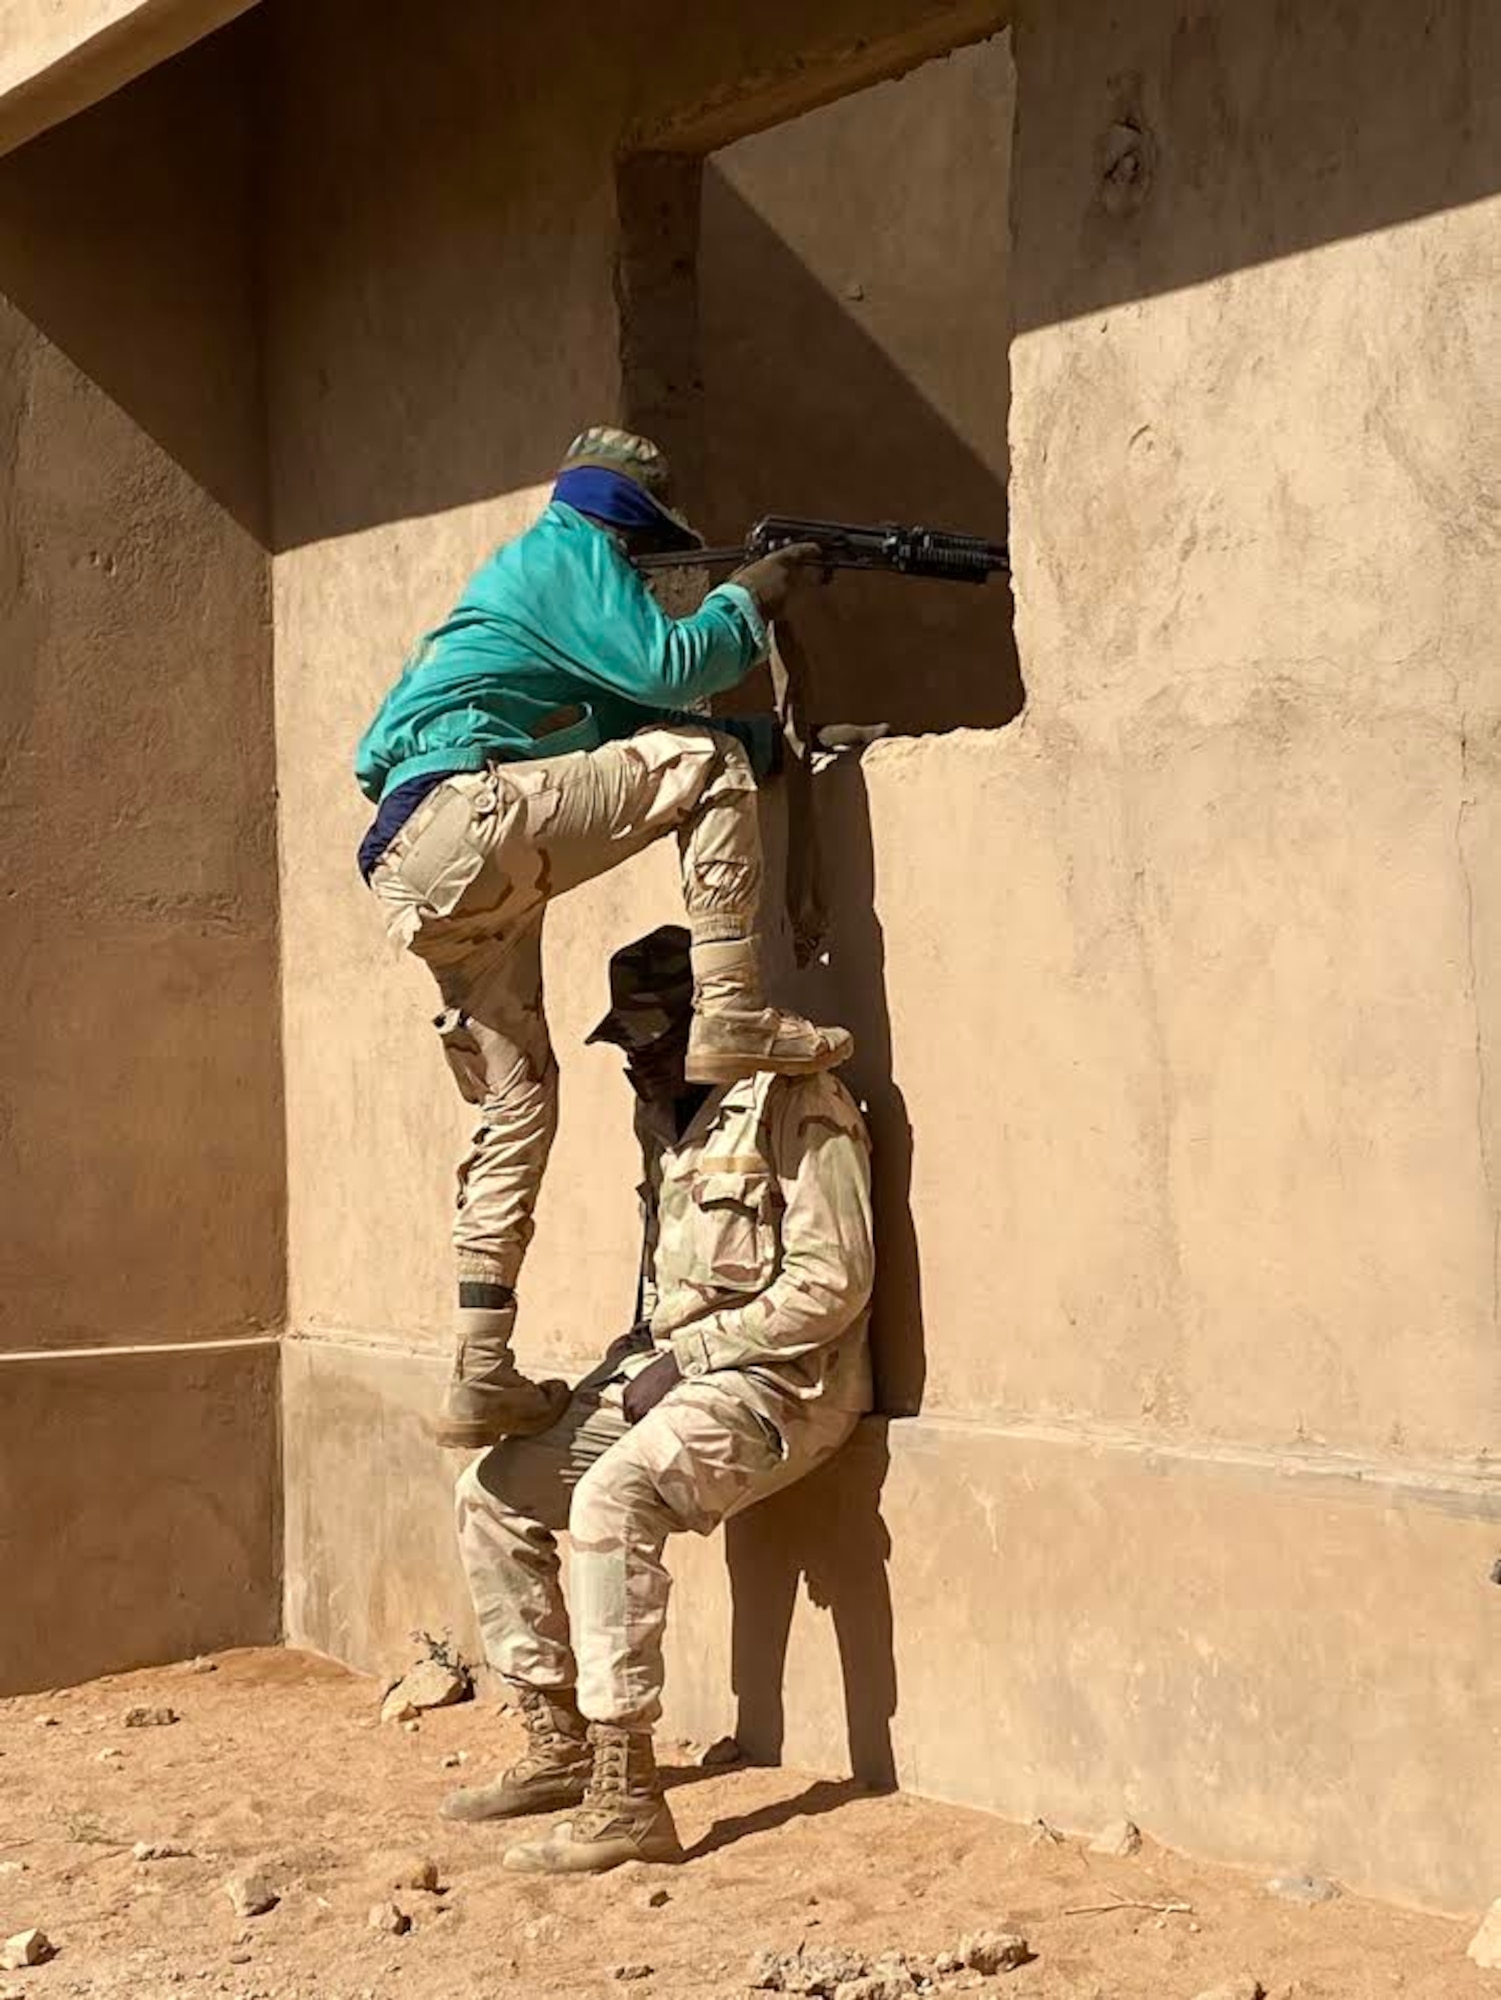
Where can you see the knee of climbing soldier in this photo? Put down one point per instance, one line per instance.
(732, 771)
(610, 1492)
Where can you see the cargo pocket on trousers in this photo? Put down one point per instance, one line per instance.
(436, 856)
(464, 1055)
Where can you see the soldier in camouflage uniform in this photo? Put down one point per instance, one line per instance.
(537, 738)
(748, 1367)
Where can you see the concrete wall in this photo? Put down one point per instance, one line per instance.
(1177, 999)
(141, 1141)
(854, 310)
(58, 57)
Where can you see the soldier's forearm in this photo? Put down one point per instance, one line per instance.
(801, 1312)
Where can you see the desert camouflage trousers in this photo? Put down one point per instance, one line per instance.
(464, 886)
(705, 1452)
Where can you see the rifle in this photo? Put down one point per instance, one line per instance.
(842, 545)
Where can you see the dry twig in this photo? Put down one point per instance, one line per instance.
(1104, 1909)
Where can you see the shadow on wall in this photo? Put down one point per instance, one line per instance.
(826, 1532)
(847, 984)
(804, 413)
(126, 237)
(1334, 121)
(375, 327)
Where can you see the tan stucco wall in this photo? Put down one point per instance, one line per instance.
(140, 1508)
(854, 307)
(141, 1142)
(1177, 999)
(57, 57)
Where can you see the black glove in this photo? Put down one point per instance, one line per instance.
(644, 1391)
(636, 1340)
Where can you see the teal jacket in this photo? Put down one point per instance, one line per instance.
(555, 620)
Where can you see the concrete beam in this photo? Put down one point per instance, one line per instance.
(1268, 1657)
(139, 1508)
(56, 59)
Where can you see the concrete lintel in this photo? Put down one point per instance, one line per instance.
(58, 60)
(821, 73)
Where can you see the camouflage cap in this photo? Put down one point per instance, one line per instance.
(634, 458)
(651, 989)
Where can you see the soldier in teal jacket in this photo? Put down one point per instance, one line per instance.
(538, 737)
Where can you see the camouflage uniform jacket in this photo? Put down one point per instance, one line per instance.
(758, 1239)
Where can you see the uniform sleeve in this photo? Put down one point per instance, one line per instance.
(636, 650)
(371, 763)
(822, 1160)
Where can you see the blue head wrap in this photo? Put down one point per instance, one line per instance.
(611, 497)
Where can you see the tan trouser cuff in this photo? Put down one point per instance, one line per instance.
(722, 927)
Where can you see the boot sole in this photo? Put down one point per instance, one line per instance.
(562, 1799)
(474, 1433)
(545, 1859)
(734, 1069)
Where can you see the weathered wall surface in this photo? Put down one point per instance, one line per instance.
(1177, 998)
(58, 57)
(141, 1143)
(140, 1508)
(853, 316)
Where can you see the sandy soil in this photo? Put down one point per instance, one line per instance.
(278, 1759)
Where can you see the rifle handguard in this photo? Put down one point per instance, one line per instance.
(904, 551)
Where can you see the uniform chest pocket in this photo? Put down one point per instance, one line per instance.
(734, 1229)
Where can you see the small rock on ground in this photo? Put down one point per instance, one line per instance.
(720, 1755)
(1303, 1888)
(876, 1986)
(819, 1972)
(251, 1894)
(430, 1684)
(1120, 1838)
(143, 1716)
(1243, 1987)
(408, 1870)
(200, 1666)
(633, 1971)
(390, 1918)
(25, 1948)
(654, 1899)
(1485, 1946)
(994, 1951)
(160, 1850)
(109, 1755)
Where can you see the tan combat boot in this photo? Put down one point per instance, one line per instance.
(735, 1034)
(488, 1398)
(551, 1775)
(625, 1817)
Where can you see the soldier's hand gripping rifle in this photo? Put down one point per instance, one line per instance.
(842, 545)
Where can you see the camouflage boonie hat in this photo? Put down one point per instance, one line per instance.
(634, 458)
(651, 989)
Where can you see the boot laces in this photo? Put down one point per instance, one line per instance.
(610, 1780)
(546, 1736)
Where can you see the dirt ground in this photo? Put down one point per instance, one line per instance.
(278, 1759)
